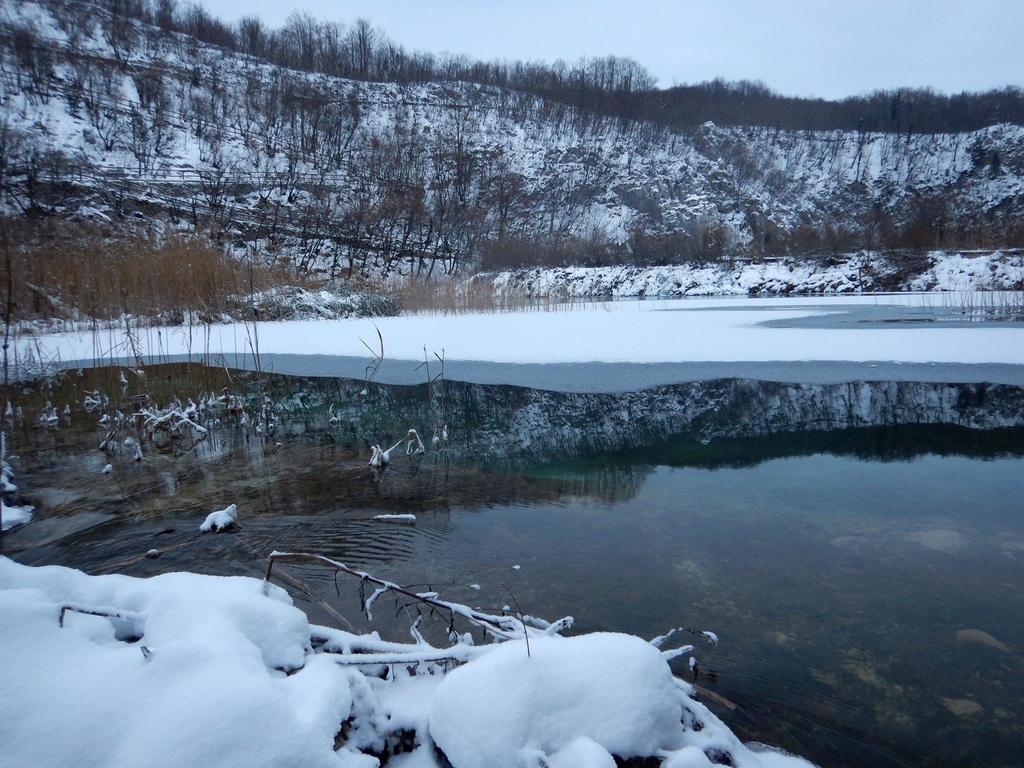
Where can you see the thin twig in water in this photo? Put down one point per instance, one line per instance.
(519, 612)
(378, 359)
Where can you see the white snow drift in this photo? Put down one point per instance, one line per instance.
(188, 670)
(514, 703)
(220, 520)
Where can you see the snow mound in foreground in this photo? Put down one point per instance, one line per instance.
(207, 690)
(614, 689)
(184, 670)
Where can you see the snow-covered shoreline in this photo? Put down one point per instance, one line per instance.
(186, 669)
(284, 302)
(859, 272)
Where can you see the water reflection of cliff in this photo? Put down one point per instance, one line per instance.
(544, 444)
(517, 443)
(495, 422)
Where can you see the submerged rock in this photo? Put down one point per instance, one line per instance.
(980, 637)
(963, 707)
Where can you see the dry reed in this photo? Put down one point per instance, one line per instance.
(59, 271)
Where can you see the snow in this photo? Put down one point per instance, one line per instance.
(221, 519)
(293, 303)
(209, 693)
(687, 757)
(960, 272)
(864, 271)
(15, 515)
(769, 757)
(582, 753)
(185, 669)
(681, 330)
(486, 713)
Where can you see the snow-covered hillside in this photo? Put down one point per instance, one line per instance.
(150, 128)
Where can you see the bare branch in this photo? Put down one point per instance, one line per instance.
(500, 627)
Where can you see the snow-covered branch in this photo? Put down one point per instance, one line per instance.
(498, 626)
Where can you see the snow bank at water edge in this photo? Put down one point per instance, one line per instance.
(10, 515)
(869, 272)
(284, 302)
(631, 709)
(15, 515)
(182, 669)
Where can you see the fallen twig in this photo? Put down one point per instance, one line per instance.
(500, 627)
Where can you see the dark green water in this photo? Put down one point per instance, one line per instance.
(867, 583)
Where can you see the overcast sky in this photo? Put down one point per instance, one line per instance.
(827, 48)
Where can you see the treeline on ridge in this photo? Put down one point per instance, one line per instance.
(610, 85)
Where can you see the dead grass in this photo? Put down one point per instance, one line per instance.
(77, 272)
(58, 269)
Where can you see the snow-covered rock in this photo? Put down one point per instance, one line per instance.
(613, 689)
(15, 515)
(582, 753)
(221, 519)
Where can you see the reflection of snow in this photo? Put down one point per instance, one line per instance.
(396, 518)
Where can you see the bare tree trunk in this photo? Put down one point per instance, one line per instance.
(8, 304)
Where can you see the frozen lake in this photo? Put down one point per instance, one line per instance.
(612, 346)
